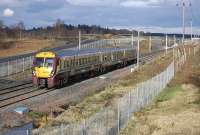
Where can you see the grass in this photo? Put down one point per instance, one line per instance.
(168, 93)
(35, 115)
(11, 48)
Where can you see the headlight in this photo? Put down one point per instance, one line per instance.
(52, 73)
(34, 73)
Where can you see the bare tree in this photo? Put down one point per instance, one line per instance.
(58, 27)
(2, 31)
(1, 24)
(21, 27)
(17, 30)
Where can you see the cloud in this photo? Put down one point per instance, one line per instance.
(10, 3)
(45, 5)
(8, 12)
(164, 13)
(140, 3)
(93, 2)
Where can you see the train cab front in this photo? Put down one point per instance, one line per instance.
(44, 68)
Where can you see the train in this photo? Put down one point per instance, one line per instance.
(53, 69)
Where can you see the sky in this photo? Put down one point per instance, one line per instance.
(149, 15)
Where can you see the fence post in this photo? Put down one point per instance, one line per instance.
(27, 132)
(8, 66)
(166, 43)
(150, 44)
(84, 127)
(189, 51)
(107, 121)
(23, 64)
(31, 61)
(129, 105)
(118, 118)
(61, 130)
(16, 63)
(137, 98)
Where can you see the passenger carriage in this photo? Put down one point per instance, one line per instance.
(54, 69)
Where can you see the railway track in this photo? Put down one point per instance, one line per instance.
(14, 85)
(34, 92)
(147, 58)
(16, 93)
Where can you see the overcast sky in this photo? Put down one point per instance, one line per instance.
(112, 13)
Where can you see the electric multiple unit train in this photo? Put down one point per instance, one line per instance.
(52, 69)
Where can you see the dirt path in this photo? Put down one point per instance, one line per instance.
(176, 110)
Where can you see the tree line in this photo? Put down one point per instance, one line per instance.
(58, 30)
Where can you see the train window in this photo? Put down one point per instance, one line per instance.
(61, 64)
(105, 58)
(79, 61)
(68, 63)
(96, 59)
(72, 63)
(93, 59)
(89, 59)
(65, 63)
(82, 62)
(76, 61)
(85, 60)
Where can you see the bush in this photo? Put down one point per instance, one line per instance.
(6, 45)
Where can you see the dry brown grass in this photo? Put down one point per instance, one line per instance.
(11, 48)
(177, 115)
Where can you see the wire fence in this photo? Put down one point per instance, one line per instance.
(15, 66)
(110, 120)
(170, 41)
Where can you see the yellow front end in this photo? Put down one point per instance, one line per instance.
(44, 68)
(43, 72)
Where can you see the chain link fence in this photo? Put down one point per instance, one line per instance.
(128, 42)
(11, 67)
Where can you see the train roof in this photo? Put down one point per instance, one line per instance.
(90, 51)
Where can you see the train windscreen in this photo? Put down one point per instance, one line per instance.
(44, 62)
